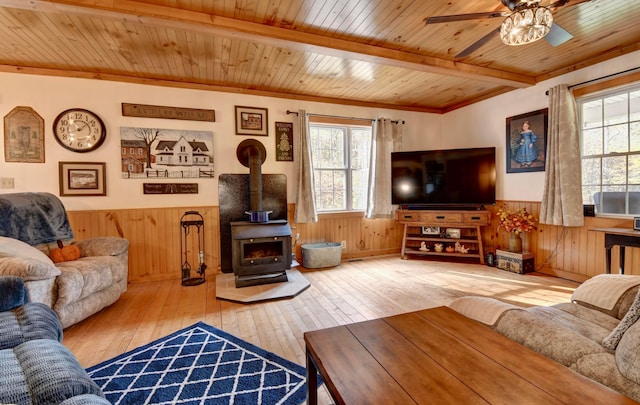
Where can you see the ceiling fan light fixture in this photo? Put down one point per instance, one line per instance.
(526, 25)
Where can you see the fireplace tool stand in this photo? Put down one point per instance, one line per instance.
(188, 221)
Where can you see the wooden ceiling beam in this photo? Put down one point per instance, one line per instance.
(169, 17)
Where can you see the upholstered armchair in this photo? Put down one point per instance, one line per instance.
(35, 368)
(30, 226)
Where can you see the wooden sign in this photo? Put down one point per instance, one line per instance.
(284, 141)
(173, 113)
(170, 188)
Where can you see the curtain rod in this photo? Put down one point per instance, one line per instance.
(600, 78)
(337, 116)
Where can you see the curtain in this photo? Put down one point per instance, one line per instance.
(305, 200)
(562, 196)
(387, 138)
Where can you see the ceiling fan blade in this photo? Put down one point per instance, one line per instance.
(478, 44)
(463, 17)
(557, 35)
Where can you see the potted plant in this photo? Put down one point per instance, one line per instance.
(517, 223)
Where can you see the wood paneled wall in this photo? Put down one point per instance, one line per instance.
(155, 235)
(575, 253)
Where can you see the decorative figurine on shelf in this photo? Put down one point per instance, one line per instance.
(460, 248)
(449, 249)
(438, 247)
(423, 247)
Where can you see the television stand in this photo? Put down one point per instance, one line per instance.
(447, 207)
(425, 229)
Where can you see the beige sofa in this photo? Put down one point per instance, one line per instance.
(73, 289)
(597, 334)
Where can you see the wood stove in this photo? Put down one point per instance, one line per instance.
(260, 249)
(261, 252)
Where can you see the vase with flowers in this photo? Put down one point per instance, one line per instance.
(517, 223)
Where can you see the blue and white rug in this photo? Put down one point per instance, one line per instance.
(200, 365)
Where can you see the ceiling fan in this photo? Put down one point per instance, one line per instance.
(527, 14)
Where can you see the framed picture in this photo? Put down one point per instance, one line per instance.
(252, 121)
(284, 141)
(23, 136)
(147, 153)
(82, 179)
(431, 230)
(527, 142)
(453, 233)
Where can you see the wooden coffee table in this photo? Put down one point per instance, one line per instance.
(439, 356)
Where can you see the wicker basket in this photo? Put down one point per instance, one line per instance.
(317, 255)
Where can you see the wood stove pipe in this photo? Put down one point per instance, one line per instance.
(252, 154)
(255, 179)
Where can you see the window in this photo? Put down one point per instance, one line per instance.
(610, 149)
(340, 156)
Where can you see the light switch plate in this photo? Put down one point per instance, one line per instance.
(6, 182)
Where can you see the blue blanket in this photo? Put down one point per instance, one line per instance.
(34, 218)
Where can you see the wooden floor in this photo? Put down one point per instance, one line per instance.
(352, 292)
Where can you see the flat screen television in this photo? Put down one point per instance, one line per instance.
(444, 178)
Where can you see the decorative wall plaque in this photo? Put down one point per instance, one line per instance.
(170, 188)
(284, 141)
(23, 136)
(172, 113)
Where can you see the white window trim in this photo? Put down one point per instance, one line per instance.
(599, 95)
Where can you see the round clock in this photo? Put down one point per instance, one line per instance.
(79, 130)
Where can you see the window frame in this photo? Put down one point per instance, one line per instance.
(349, 125)
(602, 94)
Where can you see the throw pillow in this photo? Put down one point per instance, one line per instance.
(10, 247)
(611, 341)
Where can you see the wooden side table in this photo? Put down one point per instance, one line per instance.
(621, 237)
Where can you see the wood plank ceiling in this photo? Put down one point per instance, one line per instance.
(376, 53)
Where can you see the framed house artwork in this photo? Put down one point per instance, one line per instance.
(82, 179)
(157, 153)
(527, 142)
(252, 121)
(23, 136)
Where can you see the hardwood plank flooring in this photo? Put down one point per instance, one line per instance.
(354, 291)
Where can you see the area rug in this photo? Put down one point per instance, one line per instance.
(200, 365)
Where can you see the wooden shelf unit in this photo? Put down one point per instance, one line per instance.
(468, 222)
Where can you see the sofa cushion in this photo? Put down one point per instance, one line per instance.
(10, 247)
(546, 337)
(28, 322)
(632, 316)
(86, 399)
(42, 371)
(601, 367)
(483, 309)
(103, 246)
(85, 276)
(604, 292)
(628, 353)
(28, 269)
(589, 323)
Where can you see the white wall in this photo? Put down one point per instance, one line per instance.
(49, 96)
(478, 125)
(484, 124)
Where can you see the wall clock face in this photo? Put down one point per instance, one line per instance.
(79, 130)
